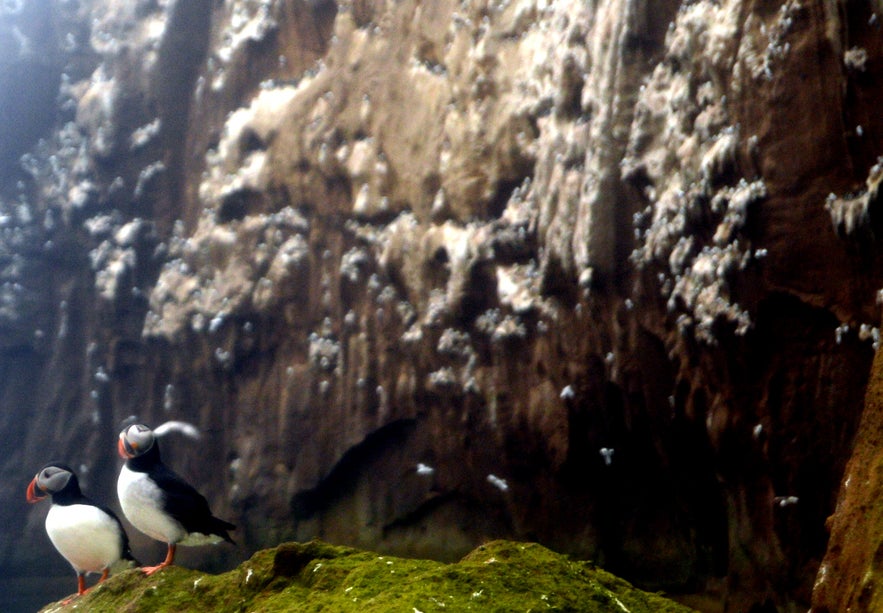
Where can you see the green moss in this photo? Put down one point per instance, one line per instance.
(500, 576)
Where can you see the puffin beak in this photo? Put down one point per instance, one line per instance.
(121, 449)
(32, 493)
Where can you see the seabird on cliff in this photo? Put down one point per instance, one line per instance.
(88, 535)
(158, 502)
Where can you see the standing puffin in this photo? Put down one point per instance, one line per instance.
(88, 535)
(158, 502)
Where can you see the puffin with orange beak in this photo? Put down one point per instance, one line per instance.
(88, 535)
(158, 502)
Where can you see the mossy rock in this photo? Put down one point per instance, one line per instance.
(501, 576)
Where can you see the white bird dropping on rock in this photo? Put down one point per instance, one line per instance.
(607, 454)
(498, 483)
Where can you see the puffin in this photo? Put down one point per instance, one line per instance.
(160, 503)
(87, 534)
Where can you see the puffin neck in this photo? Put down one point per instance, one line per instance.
(146, 460)
(69, 494)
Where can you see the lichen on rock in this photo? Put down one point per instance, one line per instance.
(497, 576)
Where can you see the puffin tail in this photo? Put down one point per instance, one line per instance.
(221, 528)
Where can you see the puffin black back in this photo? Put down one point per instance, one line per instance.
(184, 503)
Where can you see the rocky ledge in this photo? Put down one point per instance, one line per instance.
(316, 576)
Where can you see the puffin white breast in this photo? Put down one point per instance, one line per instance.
(85, 535)
(142, 502)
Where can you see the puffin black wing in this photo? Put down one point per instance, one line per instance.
(186, 505)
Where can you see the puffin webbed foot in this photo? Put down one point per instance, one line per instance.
(149, 570)
(170, 557)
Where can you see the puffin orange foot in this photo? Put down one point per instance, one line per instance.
(170, 557)
(149, 570)
(81, 588)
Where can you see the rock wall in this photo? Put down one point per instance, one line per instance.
(849, 576)
(599, 275)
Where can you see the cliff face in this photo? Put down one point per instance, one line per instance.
(600, 275)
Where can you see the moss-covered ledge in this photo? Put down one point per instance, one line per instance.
(315, 576)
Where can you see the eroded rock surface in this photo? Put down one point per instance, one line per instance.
(601, 275)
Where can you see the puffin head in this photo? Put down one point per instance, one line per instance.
(135, 440)
(51, 479)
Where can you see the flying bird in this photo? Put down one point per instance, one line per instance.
(88, 534)
(160, 503)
